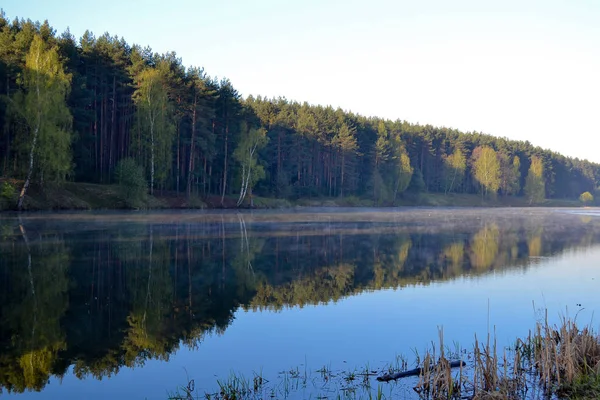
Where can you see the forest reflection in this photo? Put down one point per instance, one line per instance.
(101, 297)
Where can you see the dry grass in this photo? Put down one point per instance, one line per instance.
(437, 379)
(565, 356)
(561, 360)
(552, 362)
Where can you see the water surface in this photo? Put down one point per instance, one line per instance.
(133, 304)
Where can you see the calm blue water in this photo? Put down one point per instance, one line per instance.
(147, 301)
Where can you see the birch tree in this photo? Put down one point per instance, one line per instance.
(535, 188)
(455, 166)
(486, 169)
(246, 154)
(403, 170)
(154, 122)
(42, 105)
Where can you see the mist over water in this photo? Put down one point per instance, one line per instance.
(128, 303)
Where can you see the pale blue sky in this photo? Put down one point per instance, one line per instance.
(524, 69)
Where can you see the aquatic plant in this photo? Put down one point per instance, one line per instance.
(561, 360)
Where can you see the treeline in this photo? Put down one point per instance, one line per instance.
(97, 109)
(91, 301)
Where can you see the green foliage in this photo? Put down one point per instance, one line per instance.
(586, 198)
(246, 154)
(403, 169)
(45, 144)
(535, 187)
(7, 195)
(417, 183)
(510, 174)
(7, 191)
(455, 166)
(487, 169)
(346, 144)
(380, 190)
(132, 182)
(154, 123)
(183, 127)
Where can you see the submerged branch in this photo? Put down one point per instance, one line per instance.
(414, 372)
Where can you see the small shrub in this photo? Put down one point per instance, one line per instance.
(196, 202)
(7, 191)
(7, 195)
(586, 198)
(132, 183)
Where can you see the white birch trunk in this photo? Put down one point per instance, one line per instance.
(33, 143)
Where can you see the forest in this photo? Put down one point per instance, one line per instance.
(99, 110)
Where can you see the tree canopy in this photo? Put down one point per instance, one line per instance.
(106, 100)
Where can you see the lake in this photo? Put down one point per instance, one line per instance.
(135, 304)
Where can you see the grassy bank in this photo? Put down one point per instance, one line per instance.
(560, 361)
(89, 196)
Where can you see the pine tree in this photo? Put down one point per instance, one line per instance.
(345, 142)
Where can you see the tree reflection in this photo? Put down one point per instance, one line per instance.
(535, 243)
(484, 247)
(36, 300)
(453, 258)
(108, 298)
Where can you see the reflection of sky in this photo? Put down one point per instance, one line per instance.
(369, 328)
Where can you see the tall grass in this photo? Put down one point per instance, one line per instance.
(553, 360)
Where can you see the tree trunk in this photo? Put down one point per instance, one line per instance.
(32, 150)
(7, 130)
(278, 174)
(177, 170)
(192, 145)
(151, 156)
(113, 127)
(342, 180)
(225, 164)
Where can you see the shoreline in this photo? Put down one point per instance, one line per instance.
(72, 196)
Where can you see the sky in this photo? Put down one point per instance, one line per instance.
(522, 69)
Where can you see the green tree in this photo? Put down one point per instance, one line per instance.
(514, 185)
(455, 166)
(510, 174)
(201, 112)
(345, 142)
(132, 183)
(42, 106)
(251, 141)
(154, 122)
(403, 170)
(535, 188)
(586, 197)
(486, 169)
(381, 157)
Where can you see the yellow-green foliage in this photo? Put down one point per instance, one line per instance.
(43, 108)
(535, 188)
(586, 197)
(7, 191)
(487, 169)
(455, 166)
